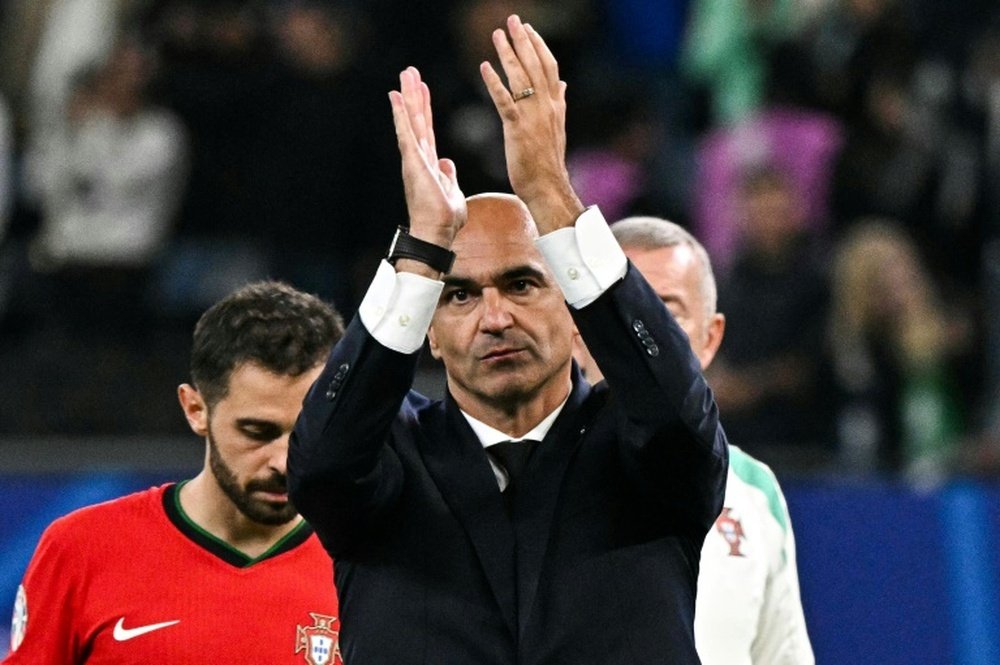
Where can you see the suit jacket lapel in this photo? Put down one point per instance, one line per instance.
(456, 460)
(536, 501)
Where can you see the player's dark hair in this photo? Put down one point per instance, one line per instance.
(269, 324)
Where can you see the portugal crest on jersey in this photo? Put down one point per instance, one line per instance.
(731, 530)
(319, 641)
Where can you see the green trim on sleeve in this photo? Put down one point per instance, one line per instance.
(757, 474)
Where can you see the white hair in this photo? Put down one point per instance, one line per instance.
(655, 233)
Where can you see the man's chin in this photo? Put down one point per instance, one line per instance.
(507, 391)
(270, 513)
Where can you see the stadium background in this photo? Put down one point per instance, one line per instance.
(272, 155)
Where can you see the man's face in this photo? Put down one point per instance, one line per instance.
(675, 274)
(773, 214)
(501, 327)
(248, 434)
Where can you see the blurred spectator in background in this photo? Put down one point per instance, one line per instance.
(727, 47)
(891, 70)
(21, 23)
(803, 143)
(213, 61)
(324, 159)
(633, 78)
(765, 376)
(619, 136)
(980, 85)
(6, 171)
(7, 256)
(108, 180)
(892, 345)
(848, 42)
(470, 129)
(73, 35)
(902, 160)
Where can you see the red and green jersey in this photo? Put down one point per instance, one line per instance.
(135, 581)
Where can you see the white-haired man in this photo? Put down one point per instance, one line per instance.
(748, 609)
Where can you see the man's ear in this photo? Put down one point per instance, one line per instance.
(194, 407)
(581, 354)
(432, 343)
(713, 340)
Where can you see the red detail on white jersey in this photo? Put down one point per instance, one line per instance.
(731, 530)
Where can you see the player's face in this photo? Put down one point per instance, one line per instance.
(675, 274)
(248, 434)
(501, 326)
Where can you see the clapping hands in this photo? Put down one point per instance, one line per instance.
(532, 107)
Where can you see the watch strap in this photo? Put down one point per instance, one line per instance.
(405, 246)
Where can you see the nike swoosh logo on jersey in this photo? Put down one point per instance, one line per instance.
(122, 634)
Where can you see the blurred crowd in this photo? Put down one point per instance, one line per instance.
(840, 159)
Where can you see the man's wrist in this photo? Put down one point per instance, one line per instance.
(413, 254)
(557, 211)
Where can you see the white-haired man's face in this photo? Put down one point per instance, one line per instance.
(676, 275)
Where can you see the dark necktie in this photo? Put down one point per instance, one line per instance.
(513, 457)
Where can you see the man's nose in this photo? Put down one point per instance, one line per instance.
(496, 316)
(279, 454)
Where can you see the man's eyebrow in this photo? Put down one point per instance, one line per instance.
(465, 283)
(256, 422)
(510, 274)
(672, 298)
(521, 272)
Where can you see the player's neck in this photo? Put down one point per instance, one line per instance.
(205, 504)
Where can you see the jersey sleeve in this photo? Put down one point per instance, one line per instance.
(44, 628)
(782, 638)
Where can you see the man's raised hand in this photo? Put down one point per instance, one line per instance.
(532, 108)
(434, 200)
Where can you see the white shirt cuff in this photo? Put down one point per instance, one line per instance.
(585, 258)
(398, 308)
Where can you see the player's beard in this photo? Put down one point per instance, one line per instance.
(262, 512)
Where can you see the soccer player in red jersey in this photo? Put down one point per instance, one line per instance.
(219, 568)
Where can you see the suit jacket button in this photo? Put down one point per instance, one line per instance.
(653, 351)
(638, 325)
(331, 394)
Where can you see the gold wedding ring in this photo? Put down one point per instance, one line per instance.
(527, 92)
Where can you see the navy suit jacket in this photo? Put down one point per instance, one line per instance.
(597, 559)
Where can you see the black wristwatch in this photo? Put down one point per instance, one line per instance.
(405, 246)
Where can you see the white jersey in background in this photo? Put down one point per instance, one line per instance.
(748, 610)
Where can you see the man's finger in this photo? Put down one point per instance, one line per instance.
(409, 82)
(405, 137)
(429, 119)
(517, 78)
(404, 134)
(502, 100)
(528, 58)
(448, 174)
(547, 61)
